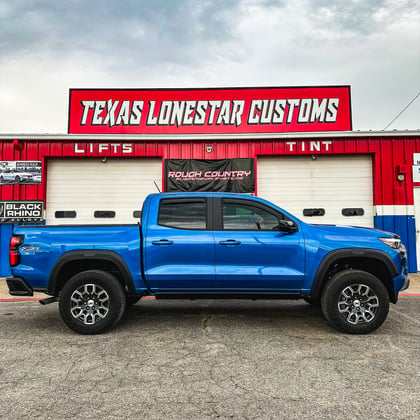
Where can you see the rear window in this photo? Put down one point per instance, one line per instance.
(183, 214)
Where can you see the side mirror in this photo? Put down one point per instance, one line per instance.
(286, 226)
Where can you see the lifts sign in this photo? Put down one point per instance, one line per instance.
(209, 111)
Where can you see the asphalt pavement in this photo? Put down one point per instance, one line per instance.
(209, 360)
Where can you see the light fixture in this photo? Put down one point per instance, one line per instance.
(104, 159)
(401, 170)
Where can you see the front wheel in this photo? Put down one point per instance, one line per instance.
(355, 302)
(92, 302)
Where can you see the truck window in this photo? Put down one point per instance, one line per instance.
(239, 216)
(183, 214)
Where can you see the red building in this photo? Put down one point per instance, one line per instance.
(121, 148)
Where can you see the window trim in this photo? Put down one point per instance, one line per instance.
(64, 212)
(307, 212)
(104, 214)
(360, 211)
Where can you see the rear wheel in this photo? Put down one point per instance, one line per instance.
(355, 302)
(92, 302)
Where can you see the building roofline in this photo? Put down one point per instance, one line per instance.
(208, 137)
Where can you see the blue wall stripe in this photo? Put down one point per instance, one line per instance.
(404, 226)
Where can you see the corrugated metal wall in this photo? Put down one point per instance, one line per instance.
(388, 153)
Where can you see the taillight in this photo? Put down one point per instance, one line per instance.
(14, 255)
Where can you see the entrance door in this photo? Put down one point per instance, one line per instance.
(417, 217)
(320, 189)
(94, 191)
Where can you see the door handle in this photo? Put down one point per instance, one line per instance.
(163, 242)
(230, 242)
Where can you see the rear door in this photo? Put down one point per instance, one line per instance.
(179, 247)
(252, 254)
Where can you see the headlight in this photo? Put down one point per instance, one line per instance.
(392, 242)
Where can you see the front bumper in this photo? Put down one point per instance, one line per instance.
(405, 285)
(18, 287)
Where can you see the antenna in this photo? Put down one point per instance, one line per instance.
(157, 186)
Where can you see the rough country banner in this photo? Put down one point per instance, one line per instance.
(233, 175)
(205, 111)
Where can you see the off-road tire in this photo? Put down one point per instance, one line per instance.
(92, 302)
(355, 302)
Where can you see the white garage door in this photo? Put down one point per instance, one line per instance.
(92, 192)
(338, 186)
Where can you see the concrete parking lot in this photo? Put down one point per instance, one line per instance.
(209, 359)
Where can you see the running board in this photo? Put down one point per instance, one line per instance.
(226, 295)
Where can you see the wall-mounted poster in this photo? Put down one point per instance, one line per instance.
(28, 172)
(231, 175)
(21, 211)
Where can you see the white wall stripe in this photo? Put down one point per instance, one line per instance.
(394, 210)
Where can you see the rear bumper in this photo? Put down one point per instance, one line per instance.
(18, 287)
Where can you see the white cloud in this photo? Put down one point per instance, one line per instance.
(48, 47)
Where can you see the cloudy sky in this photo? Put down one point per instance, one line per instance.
(49, 46)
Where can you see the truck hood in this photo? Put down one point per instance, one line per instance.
(339, 232)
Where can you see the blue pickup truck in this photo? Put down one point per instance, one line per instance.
(209, 245)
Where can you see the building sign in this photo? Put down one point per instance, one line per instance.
(209, 111)
(232, 175)
(416, 167)
(107, 149)
(21, 211)
(311, 146)
(20, 172)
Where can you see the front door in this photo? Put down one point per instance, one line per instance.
(253, 253)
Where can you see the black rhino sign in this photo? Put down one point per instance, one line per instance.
(21, 211)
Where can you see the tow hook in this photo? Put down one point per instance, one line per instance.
(48, 300)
